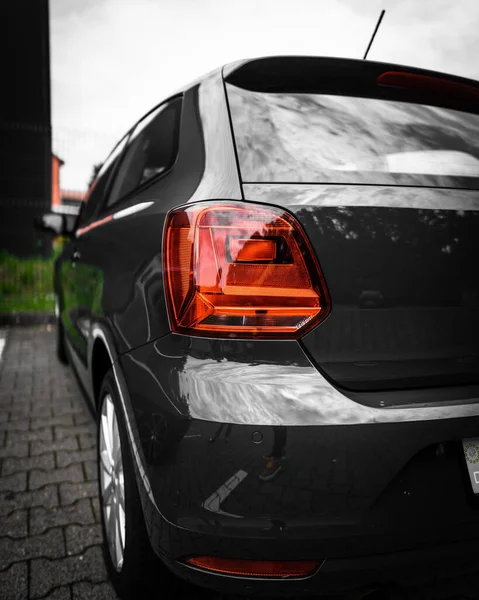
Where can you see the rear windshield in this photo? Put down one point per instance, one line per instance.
(316, 138)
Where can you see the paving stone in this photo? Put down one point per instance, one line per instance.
(74, 410)
(47, 545)
(95, 502)
(60, 421)
(56, 404)
(14, 582)
(43, 518)
(6, 399)
(84, 418)
(46, 575)
(71, 492)
(14, 525)
(80, 537)
(65, 458)
(17, 425)
(60, 395)
(40, 435)
(39, 410)
(87, 440)
(60, 593)
(89, 591)
(73, 473)
(91, 470)
(61, 433)
(66, 443)
(15, 465)
(15, 449)
(14, 483)
(46, 496)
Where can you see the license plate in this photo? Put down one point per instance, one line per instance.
(471, 454)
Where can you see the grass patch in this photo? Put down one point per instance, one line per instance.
(26, 284)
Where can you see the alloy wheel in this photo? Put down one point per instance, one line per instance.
(112, 483)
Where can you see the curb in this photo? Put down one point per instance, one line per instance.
(27, 318)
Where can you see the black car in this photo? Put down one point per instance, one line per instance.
(271, 300)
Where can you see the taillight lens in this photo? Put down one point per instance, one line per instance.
(425, 83)
(241, 270)
(256, 568)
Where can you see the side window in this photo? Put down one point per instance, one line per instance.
(97, 189)
(151, 151)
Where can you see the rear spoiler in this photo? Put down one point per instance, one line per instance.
(347, 77)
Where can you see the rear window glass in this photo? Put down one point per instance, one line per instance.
(315, 138)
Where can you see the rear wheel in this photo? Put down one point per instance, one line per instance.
(130, 560)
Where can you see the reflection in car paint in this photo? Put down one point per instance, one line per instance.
(126, 212)
(227, 427)
(155, 378)
(275, 459)
(131, 210)
(220, 179)
(272, 394)
(82, 295)
(294, 195)
(148, 285)
(323, 138)
(83, 230)
(213, 502)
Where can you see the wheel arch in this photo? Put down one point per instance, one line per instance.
(100, 365)
(102, 355)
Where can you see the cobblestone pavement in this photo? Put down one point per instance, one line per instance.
(50, 531)
(49, 523)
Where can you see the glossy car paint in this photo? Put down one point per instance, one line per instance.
(406, 316)
(366, 474)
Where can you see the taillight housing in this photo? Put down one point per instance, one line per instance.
(234, 269)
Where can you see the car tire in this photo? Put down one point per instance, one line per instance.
(60, 342)
(138, 568)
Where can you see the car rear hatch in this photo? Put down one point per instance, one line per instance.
(380, 164)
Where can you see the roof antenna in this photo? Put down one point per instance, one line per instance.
(374, 34)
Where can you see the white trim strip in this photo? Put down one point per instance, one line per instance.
(131, 210)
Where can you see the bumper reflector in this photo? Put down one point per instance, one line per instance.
(256, 568)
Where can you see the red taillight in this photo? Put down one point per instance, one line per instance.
(241, 270)
(246, 250)
(426, 83)
(256, 568)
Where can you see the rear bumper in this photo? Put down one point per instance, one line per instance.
(379, 502)
(430, 570)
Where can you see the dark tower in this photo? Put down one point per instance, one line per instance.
(25, 125)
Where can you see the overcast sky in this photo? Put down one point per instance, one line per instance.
(113, 60)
